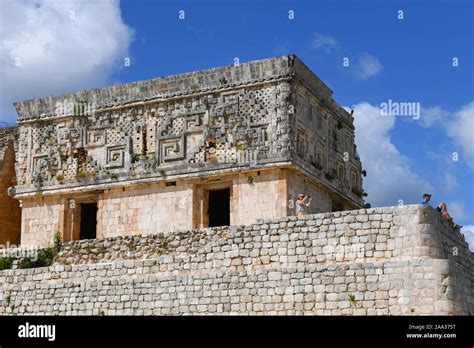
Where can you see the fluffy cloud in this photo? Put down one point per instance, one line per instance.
(458, 126)
(389, 178)
(51, 47)
(432, 115)
(468, 232)
(368, 66)
(460, 129)
(457, 211)
(323, 42)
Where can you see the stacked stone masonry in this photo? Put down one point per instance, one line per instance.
(382, 261)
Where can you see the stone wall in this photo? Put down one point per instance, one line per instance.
(382, 261)
(148, 208)
(258, 195)
(10, 208)
(39, 221)
(144, 210)
(321, 201)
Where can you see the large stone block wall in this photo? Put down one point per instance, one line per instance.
(382, 261)
(144, 210)
(39, 221)
(10, 214)
(148, 208)
(258, 195)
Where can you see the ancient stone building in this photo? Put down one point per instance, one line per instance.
(222, 146)
(10, 214)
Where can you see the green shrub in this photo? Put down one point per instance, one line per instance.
(25, 263)
(6, 262)
(45, 257)
(57, 242)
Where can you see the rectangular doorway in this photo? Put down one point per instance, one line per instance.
(88, 229)
(219, 207)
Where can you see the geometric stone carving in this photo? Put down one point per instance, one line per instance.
(194, 120)
(172, 148)
(115, 156)
(40, 163)
(95, 137)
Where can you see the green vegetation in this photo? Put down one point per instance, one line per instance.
(44, 257)
(26, 262)
(8, 300)
(223, 81)
(57, 242)
(6, 262)
(352, 300)
(135, 158)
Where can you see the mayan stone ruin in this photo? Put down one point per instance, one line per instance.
(176, 195)
(223, 146)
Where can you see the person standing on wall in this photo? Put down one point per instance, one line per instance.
(302, 202)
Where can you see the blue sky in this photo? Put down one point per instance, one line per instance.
(70, 45)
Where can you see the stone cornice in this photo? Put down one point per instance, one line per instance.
(187, 84)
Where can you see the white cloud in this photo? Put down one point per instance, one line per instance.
(323, 42)
(460, 129)
(458, 126)
(432, 115)
(62, 46)
(450, 182)
(368, 66)
(389, 178)
(468, 232)
(457, 211)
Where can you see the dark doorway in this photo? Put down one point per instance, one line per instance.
(219, 207)
(88, 221)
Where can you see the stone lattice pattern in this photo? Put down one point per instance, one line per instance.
(394, 261)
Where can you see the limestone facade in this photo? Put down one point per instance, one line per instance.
(149, 154)
(10, 213)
